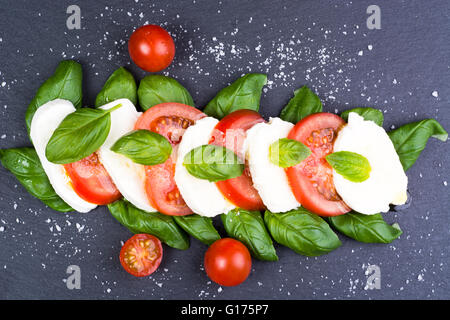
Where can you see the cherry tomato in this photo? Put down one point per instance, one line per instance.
(151, 48)
(312, 179)
(169, 120)
(228, 262)
(91, 181)
(141, 255)
(230, 133)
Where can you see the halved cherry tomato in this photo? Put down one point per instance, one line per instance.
(169, 120)
(228, 262)
(91, 181)
(141, 255)
(230, 133)
(312, 179)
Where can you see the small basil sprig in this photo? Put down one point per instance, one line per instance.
(199, 227)
(65, 83)
(144, 147)
(304, 103)
(79, 135)
(248, 227)
(244, 93)
(352, 166)
(365, 228)
(287, 152)
(409, 140)
(160, 225)
(371, 114)
(302, 231)
(155, 89)
(25, 165)
(120, 85)
(213, 163)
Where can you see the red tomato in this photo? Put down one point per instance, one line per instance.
(312, 179)
(169, 120)
(228, 262)
(141, 255)
(230, 133)
(91, 181)
(151, 48)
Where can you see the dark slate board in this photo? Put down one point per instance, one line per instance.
(323, 44)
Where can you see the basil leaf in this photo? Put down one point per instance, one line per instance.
(155, 89)
(25, 165)
(302, 231)
(365, 228)
(144, 147)
(287, 152)
(371, 114)
(213, 163)
(65, 83)
(160, 225)
(304, 103)
(352, 166)
(120, 85)
(199, 227)
(244, 93)
(409, 140)
(79, 135)
(248, 227)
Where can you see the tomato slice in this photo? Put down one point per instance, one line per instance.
(91, 181)
(312, 179)
(169, 120)
(230, 133)
(141, 255)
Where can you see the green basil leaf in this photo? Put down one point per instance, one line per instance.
(304, 103)
(213, 163)
(365, 228)
(25, 165)
(287, 152)
(244, 93)
(144, 147)
(120, 85)
(352, 166)
(409, 140)
(199, 227)
(65, 83)
(160, 225)
(155, 89)
(248, 227)
(79, 135)
(371, 114)
(302, 231)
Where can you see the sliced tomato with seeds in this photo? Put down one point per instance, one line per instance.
(169, 120)
(312, 180)
(141, 255)
(91, 181)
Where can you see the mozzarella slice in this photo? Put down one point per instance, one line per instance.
(269, 179)
(202, 196)
(129, 177)
(45, 121)
(387, 182)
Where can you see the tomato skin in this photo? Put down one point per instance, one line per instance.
(91, 181)
(228, 262)
(141, 255)
(230, 133)
(151, 48)
(315, 173)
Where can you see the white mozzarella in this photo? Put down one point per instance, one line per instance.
(202, 196)
(387, 182)
(129, 177)
(45, 121)
(269, 179)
